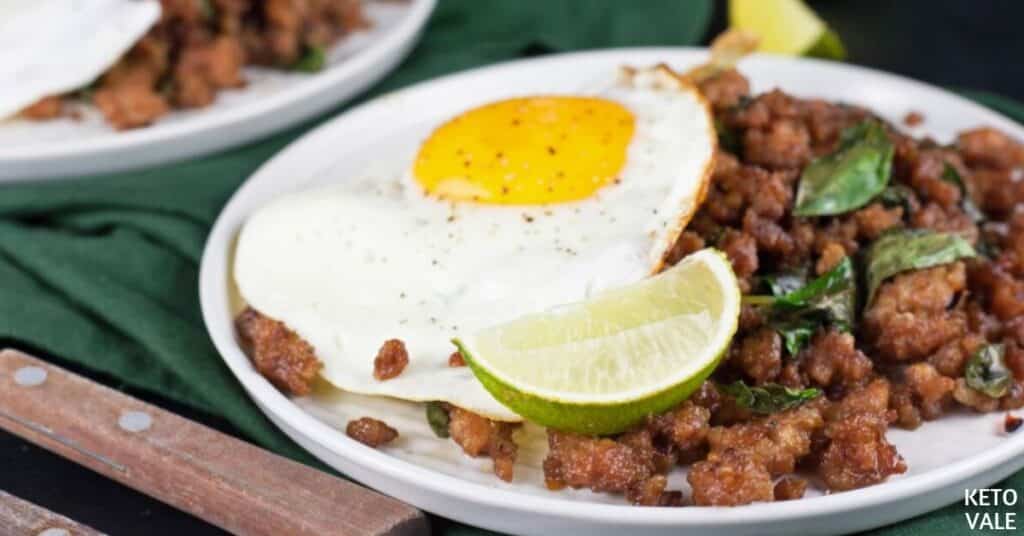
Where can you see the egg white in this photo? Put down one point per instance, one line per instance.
(49, 47)
(352, 265)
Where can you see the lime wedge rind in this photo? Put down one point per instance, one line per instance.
(674, 355)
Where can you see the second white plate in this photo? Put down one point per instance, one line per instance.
(271, 101)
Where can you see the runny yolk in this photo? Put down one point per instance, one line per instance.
(526, 151)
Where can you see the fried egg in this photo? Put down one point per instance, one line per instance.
(513, 207)
(49, 47)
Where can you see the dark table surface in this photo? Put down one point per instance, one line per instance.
(954, 43)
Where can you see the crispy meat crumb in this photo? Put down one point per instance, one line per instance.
(1012, 423)
(391, 360)
(480, 436)
(789, 488)
(277, 352)
(456, 360)
(913, 119)
(370, 431)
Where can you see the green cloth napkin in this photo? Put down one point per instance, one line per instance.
(102, 271)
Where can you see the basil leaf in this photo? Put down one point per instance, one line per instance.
(728, 138)
(986, 371)
(897, 195)
(900, 250)
(312, 61)
(833, 294)
(798, 309)
(437, 418)
(850, 177)
(785, 282)
(207, 9)
(951, 175)
(796, 333)
(768, 398)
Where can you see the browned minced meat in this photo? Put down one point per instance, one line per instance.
(910, 317)
(759, 355)
(725, 90)
(833, 359)
(370, 431)
(730, 478)
(45, 108)
(789, 488)
(904, 361)
(278, 353)
(456, 360)
(480, 436)
(743, 458)
(130, 106)
(634, 462)
(975, 400)
(913, 119)
(1012, 423)
(857, 453)
(391, 360)
(199, 47)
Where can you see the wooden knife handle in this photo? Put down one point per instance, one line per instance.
(229, 483)
(19, 517)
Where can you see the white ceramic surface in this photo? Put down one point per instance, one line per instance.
(271, 101)
(379, 137)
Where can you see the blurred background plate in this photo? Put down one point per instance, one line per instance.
(271, 101)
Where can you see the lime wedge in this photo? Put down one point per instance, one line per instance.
(599, 366)
(786, 27)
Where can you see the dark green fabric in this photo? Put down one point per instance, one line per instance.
(102, 271)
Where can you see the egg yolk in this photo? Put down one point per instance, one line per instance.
(527, 151)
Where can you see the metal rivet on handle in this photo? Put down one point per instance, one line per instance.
(54, 532)
(30, 376)
(135, 421)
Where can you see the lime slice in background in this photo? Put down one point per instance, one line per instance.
(599, 366)
(786, 27)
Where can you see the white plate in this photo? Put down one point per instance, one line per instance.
(272, 100)
(944, 456)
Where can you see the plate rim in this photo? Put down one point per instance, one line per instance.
(403, 34)
(271, 401)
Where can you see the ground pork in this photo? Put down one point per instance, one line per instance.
(480, 436)
(789, 488)
(277, 352)
(391, 360)
(832, 359)
(371, 432)
(199, 47)
(910, 317)
(743, 458)
(856, 453)
(759, 355)
(930, 389)
(601, 464)
(725, 90)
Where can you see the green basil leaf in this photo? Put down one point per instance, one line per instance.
(768, 398)
(207, 9)
(312, 61)
(785, 282)
(900, 250)
(951, 175)
(850, 177)
(833, 294)
(798, 308)
(796, 333)
(897, 195)
(728, 138)
(437, 418)
(986, 371)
